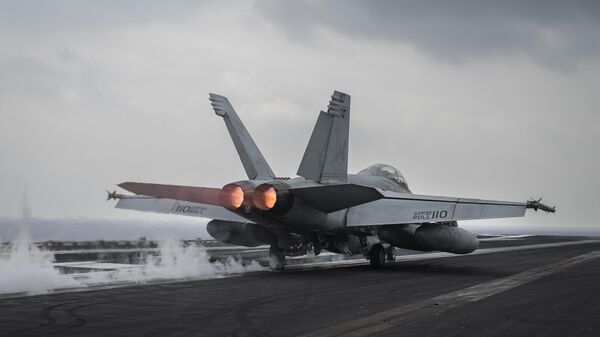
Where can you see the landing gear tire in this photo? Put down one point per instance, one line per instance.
(377, 256)
(390, 254)
(317, 247)
(276, 257)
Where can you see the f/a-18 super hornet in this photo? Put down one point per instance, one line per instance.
(367, 213)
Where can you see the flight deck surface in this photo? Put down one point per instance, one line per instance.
(551, 290)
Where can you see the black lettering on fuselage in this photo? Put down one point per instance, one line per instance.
(429, 215)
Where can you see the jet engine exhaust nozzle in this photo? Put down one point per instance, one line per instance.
(234, 195)
(231, 196)
(265, 197)
(273, 197)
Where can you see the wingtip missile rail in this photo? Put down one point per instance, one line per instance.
(537, 204)
(116, 196)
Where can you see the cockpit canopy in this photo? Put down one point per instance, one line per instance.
(387, 171)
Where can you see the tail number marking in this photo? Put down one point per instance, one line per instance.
(187, 209)
(430, 215)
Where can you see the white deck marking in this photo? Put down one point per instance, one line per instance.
(506, 237)
(384, 320)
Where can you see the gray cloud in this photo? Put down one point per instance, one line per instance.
(30, 15)
(554, 33)
(94, 94)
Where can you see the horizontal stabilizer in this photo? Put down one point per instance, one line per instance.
(331, 198)
(204, 195)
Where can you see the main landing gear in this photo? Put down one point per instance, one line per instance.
(381, 253)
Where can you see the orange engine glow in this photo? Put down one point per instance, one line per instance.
(265, 197)
(232, 196)
(269, 197)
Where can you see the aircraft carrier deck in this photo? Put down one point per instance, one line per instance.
(528, 286)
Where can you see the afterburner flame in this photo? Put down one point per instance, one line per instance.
(232, 196)
(269, 197)
(265, 197)
(236, 197)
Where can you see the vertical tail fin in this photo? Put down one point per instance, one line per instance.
(254, 163)
(326, 156)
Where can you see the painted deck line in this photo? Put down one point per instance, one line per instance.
(376, 323)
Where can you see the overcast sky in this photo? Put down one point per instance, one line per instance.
(489, 100)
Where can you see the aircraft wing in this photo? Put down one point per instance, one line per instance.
(171, 206)
(401, 208)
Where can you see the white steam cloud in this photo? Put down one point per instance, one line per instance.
(24, 268)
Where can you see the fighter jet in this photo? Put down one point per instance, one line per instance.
(367, 213)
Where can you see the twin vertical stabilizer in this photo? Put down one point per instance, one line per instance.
(254, 163)
(325, 159)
